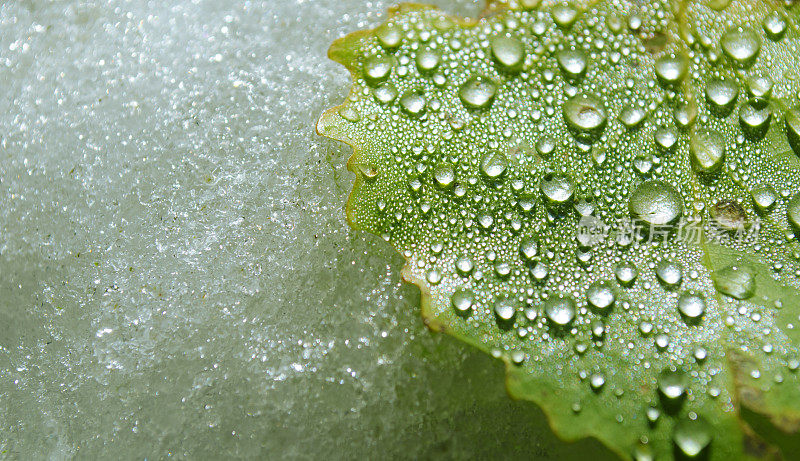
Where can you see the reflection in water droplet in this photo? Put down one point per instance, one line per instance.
(755, 120)
(564, 15)
(774, 25)
(656, 203)
(385, 93)
(632, 116)
(626, 273)
(428, 60)
(462, 300)
(464, 266)
(529, 248)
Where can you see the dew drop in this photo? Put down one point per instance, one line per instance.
(692, 305)
(672, 383)
(626, 273)
(444, 175)
(493, 164)
(558, 189)
(764, 197)
(672, 69)
(656, 203)
(462, 300)
(573, 63)
(793, 128)
(564, 15)
(428, 60)
(377, 69)
(385, 93)
(707, 151)
(632, 117)
(721, 96)
(793, 211)
(734, 281)
(389, 36)
(477, 92)
(741, 44)
(414, 103)
(585, 115)
(504, 309)
(508, 52)
(754, 120)
(692, 436)
(464, 266)
(529, 248)
(600, 295)
(774, 25)
(560, 309)
(669, 273)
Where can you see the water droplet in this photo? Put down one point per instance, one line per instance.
(477, 92)
(529, 248)
(502, 268)
(685, 114)
(729, 215)
(721, 96)
(600, 295)
(540, 271)
(462, 300)
(666, 138)
(774, 25)
(754, 120)
(493, 164)
(377, 69)
(653, 414)
(597, 381)
(504, 309)
(428, 60)
(736, 282)
(385, 93)
(672, 383)
(707, 150)
(741, 44)
(793, 211)
(389, 36)
(632, 116)
(560, 309)
(414, 103)
(585, 115)
(672, 69)
(350, 114)
(793, 128)
(444, 175)
(760, 87)
(564, 15)
(558, 189)
(508, 52)
(764, 197)
(669, 273)
(573, 63)
(545, 146)
(434, 277)
(656, 203)
(626, 273)
(692, 305)
(692, 436)
(464, 266)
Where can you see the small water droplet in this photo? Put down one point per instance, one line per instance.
(444, 175)
(389, 36)
(428, 60)
(632, 116)
(755, 120)
(672, 383)
(793, 128)
(504, 309)
(464, 266)
(377, 69)
(414, 103)
(564, 15)
(385, 93)
(721, 96)
(626, 273)
(736, 282)
(528, 248)
(774, 25)
(793, 211)
(764, 197)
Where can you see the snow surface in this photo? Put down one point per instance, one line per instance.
(176, 276)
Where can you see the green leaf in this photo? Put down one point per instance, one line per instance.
(604, 195)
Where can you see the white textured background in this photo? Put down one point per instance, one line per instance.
(176, 277)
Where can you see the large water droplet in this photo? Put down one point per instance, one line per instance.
(755, 120)
(529, 248)
(793, 211)
(632, 116)
(626, 273)
(462, 300)
(672, 383)
(385, 93)
(759, 87)
(389, 36)
(558, 189)
(669, 273)
(414, 103)
(573, 63)
(793, 128)
(736, 282)
(741, 44)
(692, 436)
(377, 69)
(564, 15)
(600, 295)
(560, 309)
(444, 175)
(729, 215)
(692, 305)
(585, 116)
(764, 197)
(656, 203)
(508, 52)
(707, 150)
(428, 60)
(477, 92)
(672, 69)
(464, 266)
(721, 96)
(493, 164)
(504, 309)
(774, 25)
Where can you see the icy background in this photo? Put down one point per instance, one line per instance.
(176, 277)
